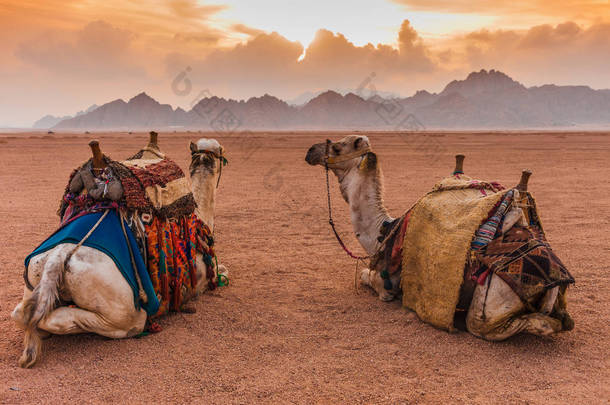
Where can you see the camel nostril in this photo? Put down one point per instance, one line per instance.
(310, 155)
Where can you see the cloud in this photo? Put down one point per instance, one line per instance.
(590, 10)
(564, 53)
(272, 63)
(190, 9)
(244, 29)
(98, 51)
(103, 50)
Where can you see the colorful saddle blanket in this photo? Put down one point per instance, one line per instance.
(108, 238)
(172, 246)
(524, 260)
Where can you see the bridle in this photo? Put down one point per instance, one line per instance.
(222, 161)
(332, 160)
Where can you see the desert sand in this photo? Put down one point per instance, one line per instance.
(291, 328)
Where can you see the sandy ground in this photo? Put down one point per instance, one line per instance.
(291, 328)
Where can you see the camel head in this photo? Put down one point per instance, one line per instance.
(344, 155)
(207, 155)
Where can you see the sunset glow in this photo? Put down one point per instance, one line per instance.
(60, 56)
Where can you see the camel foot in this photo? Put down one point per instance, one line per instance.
(32, 350)
(386, 296)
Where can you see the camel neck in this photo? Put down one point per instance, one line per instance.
(364, 194)
(204, 192)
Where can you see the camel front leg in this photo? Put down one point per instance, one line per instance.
(72, 320)
(372, 278)
(202, 280)
(17, 314)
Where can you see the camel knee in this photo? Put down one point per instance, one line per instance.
(372, 278)
(17, 315)
(365, 277)
(222, 269)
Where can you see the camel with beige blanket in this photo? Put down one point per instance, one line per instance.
(435, 268)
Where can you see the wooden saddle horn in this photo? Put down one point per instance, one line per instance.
(525, 176)
(459, 164)
(98, 157)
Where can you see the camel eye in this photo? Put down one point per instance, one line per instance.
(336, 149)
(357, 143)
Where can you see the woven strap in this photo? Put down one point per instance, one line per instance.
(349, 156)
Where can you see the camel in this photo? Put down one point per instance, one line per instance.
(104, 301)
(361, 184)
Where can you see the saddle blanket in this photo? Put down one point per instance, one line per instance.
(108, 238)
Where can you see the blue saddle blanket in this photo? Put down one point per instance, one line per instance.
(108, 238)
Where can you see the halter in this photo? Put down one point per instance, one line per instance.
(222, 161)
(329, 160)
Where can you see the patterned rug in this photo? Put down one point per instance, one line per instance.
(523, 258)
(171, 249)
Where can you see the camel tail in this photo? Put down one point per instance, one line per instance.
(46, 293)
(40, 304)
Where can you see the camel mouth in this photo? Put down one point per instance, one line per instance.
(315, 156)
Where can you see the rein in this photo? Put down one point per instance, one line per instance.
(332, 160)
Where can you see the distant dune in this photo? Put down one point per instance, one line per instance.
(484, 100)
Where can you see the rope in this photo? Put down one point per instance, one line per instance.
(141, 292)
(330, 213)
(221, 279)
(154, 151)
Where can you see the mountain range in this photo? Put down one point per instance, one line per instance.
(483, 100)
(49, 121)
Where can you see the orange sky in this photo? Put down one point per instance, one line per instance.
(59, 56)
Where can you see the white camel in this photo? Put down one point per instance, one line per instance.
(103, 299)
(362, 188)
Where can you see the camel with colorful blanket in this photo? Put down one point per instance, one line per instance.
(135, 242)
(468, 255)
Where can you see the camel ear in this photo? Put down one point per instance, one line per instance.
(193, 147)
(369, 162)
